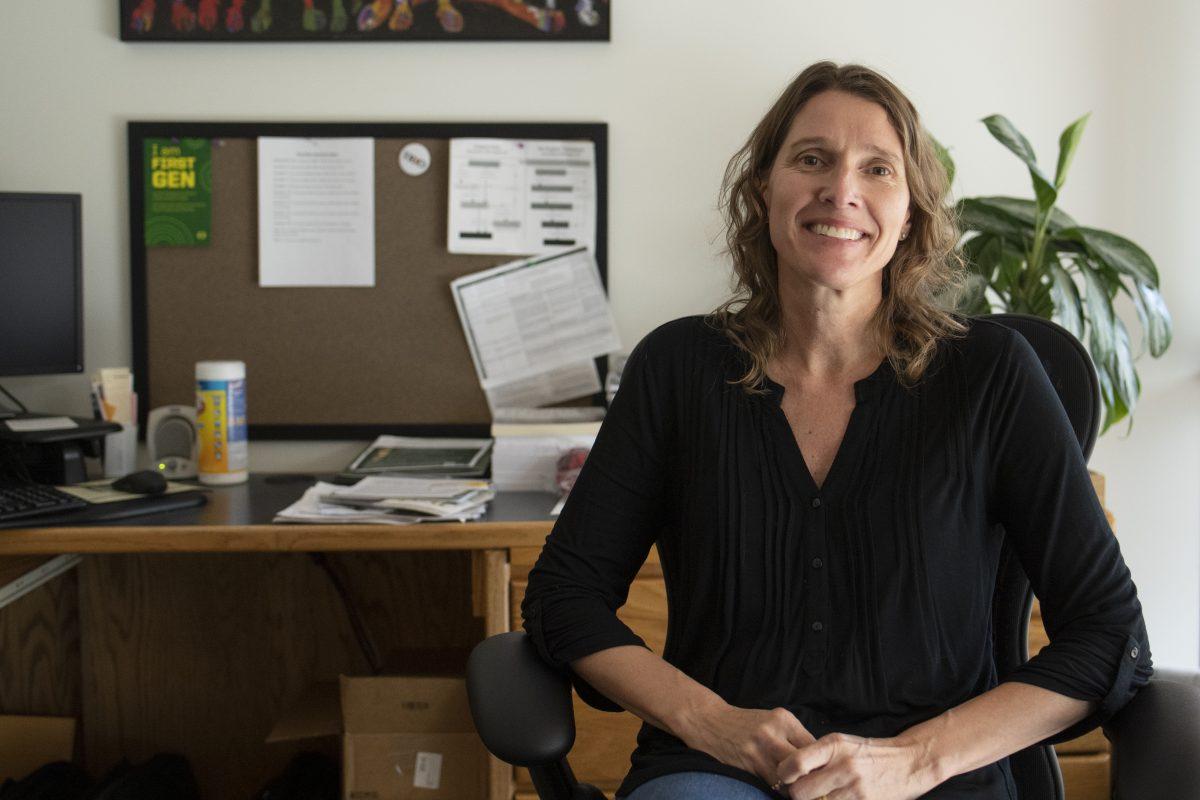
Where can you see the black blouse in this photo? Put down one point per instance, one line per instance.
(863, 606)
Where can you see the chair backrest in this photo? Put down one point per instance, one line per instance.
(1073, 376)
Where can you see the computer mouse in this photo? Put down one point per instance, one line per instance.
(147, 481)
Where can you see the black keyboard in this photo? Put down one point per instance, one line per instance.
(19, 501)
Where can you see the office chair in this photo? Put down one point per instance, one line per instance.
(522, 706)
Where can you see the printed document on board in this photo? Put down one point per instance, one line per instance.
(316, 212)
(521, 197)
(534, 328)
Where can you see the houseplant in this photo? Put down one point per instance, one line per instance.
(1028, 256)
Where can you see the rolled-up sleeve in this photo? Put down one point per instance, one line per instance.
(605, 530)
(1041, 493)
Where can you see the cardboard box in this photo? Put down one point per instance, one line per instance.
(27, 743)
(402, 737)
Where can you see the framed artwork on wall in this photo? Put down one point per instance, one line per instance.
(364, 20)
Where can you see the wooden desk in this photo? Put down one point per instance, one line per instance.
(191, 631)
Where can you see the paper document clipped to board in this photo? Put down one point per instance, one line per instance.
(521, 196)
(534, 328)
(316, 211)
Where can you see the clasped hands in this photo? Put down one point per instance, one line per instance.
(775, 746)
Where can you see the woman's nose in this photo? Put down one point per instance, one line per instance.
(841, 188)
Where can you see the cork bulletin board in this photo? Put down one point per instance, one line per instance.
(323, 362)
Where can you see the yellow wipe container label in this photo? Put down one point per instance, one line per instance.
(221, 426)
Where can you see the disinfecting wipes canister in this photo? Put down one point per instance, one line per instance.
(223, 453)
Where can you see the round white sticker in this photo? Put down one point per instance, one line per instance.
(414, 158)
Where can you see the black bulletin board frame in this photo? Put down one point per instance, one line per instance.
(141, 130)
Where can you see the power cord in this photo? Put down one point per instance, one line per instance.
(365, 643)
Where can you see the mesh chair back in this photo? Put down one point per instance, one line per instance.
(1073, 376)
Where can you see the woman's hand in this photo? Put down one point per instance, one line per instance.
(845, 767)
(752, 739)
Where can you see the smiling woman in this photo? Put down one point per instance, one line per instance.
(829, 466)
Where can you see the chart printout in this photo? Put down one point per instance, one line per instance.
(521, 197)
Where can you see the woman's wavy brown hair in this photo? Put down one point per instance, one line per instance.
(910, 320)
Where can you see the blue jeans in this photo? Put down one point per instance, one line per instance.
(695, 786)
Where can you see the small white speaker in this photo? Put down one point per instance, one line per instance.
(171, 440)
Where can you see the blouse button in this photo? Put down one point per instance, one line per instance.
(816, 502)
(1134, 652)
(817, 626)
(817, 563)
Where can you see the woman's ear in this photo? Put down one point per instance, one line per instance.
(762, 185)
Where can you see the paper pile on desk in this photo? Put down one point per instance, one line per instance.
(391, 501)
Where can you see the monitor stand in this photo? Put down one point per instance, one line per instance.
(53, 455)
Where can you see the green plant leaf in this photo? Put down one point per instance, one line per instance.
(1008, 135)
(976, 215)
(1115, 251)
(1127, 384)
(973, 301)
(1114, 407)
(1066, 148)
(1066, 298)
(943, 155)
(982, 254)
(1025, 211)
(1119, 384)
(1100, 314)
(1041, 298)
(1105, 380)
(1012, 265)
(1154, 316)
(1071, 246)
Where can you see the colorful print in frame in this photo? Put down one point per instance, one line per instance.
(364, 20)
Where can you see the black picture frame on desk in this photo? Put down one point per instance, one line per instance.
(139, 131)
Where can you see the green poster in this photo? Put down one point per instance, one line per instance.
(178, 191)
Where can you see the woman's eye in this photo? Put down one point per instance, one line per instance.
(805, 160)
(886, 170)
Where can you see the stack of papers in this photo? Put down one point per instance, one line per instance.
(525, 457)
(391, 501)
(113, 398)
(413, 455)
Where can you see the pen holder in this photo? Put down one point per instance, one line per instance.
(120, 452)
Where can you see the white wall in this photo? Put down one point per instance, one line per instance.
(680, 85)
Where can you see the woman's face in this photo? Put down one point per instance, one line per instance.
(837, 195)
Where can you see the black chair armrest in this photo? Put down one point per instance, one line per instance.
(1156, 743)
(520, 704)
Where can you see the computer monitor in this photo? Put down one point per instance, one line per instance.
(41, 295)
